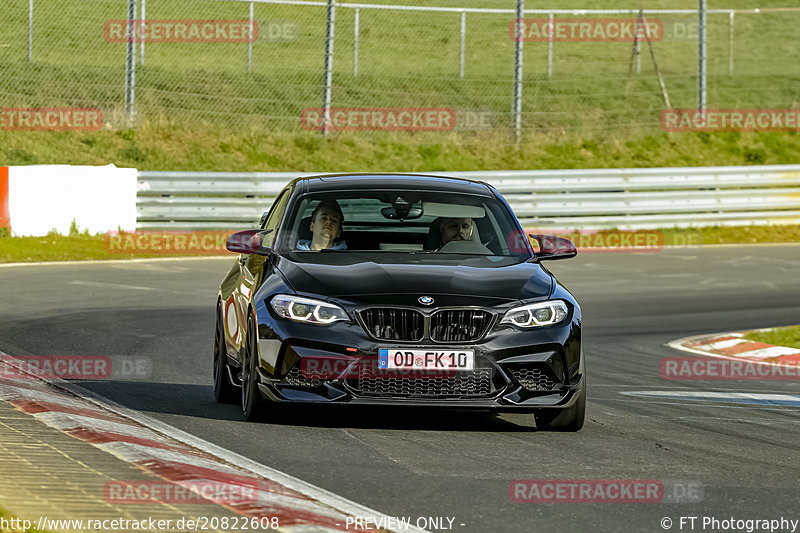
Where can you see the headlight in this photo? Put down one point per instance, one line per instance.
(535, 315)
(307, 310)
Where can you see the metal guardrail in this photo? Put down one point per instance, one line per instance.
(614, 198)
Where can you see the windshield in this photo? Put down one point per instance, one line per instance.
(401, 222)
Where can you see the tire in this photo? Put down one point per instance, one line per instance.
(569, 419)
(251, 396)
(224, 391)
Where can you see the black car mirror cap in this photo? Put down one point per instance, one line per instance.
(248, 242)
(553, 247)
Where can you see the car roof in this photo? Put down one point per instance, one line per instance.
(338, 182)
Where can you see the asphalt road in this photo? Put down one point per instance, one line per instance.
(458, 464)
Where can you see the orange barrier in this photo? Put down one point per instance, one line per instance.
(5, 217)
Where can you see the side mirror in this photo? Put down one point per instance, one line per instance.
(248, 242)
(553, 247)
(263, 219)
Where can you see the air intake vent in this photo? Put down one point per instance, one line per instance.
(472, 383)
(459, 325)
(532, 377)
(393, 324)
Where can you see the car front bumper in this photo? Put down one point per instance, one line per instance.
(527, 370)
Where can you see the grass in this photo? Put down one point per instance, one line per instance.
(76, 246)
(170, 146)
(56, 247)
(82, 246)
(787, 336)
(734, 235)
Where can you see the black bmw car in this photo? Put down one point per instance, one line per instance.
(403, 290)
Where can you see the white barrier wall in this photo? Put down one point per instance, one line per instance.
(42, 198)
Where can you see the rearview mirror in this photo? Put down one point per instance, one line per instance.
(553, 247)
(396, 213)
(248, 242)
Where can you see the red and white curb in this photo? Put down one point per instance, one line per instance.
(735, 347)
(183, 459)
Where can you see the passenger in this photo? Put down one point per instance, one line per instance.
(326, 227)
(456, 229)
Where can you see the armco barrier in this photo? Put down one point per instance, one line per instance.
(614, 198)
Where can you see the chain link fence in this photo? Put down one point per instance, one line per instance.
(441, 65)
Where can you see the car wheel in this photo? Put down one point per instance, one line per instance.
(224, 391)
(251, 396)
(570, 419)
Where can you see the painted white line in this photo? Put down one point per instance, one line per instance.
(102, 285)
(738, 418)
(117, 261)
(705, 405)
(726, 397)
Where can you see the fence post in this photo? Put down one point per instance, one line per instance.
(355, 44)
(30, 30)
(249, 42)
(130, 63)
(517, 104)
(550, 48)
(701, 89)
(730, 44)
(141, 43)
(463, 35)
(639, 54)
(326, 96)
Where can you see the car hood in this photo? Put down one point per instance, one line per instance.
(458, 281)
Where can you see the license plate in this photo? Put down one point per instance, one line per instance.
(435, 359)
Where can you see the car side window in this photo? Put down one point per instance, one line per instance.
(275, 216)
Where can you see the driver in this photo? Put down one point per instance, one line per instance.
(326, 227)
(456, 229)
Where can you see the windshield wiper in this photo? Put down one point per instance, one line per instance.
(454, 253)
